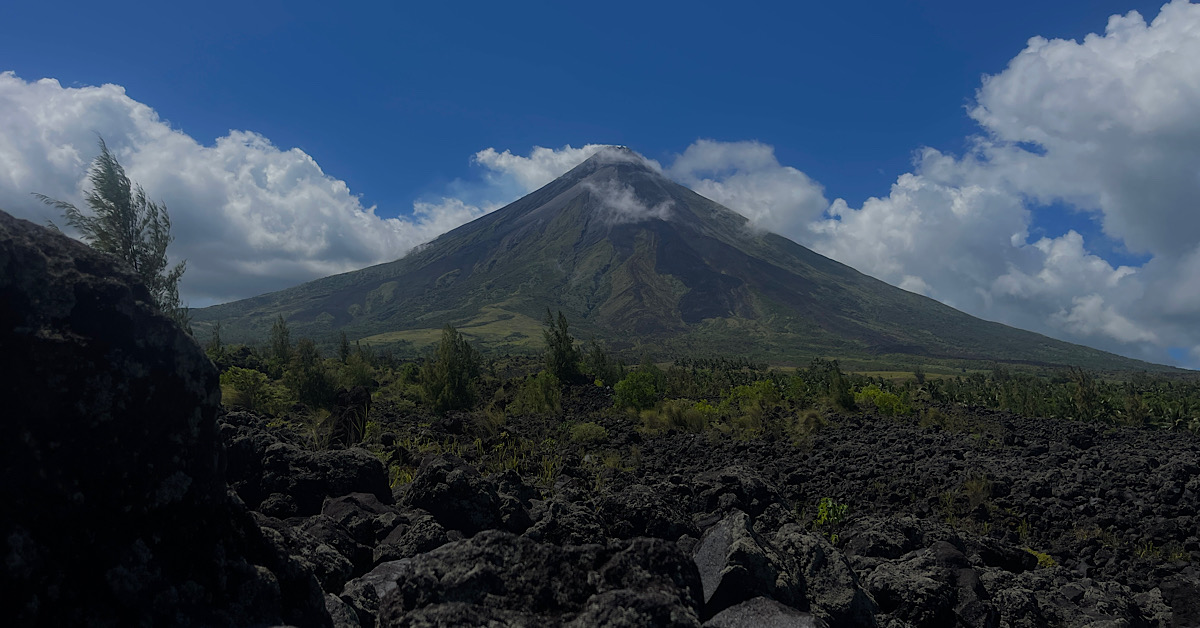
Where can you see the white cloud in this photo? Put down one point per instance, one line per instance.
(620, 203)
(249, 216)
(746, 177)
(542, 166)
(1089, 316)
(943, 228)
(1117, 120)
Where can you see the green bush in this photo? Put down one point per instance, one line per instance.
(799, 392)
(253, 391)
(308, 378)
(356, 370)
(746, 406)
(804, 425)
(588, 433)
(538, 394)
(636, 391)
(887, 403)
(597, 363)
(841, 393)
(679, 414)
(830, 515)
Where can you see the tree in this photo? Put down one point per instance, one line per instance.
(281, 344)
(562, 358)
(309, 378)
(215, 349)
(598, 364)
(448, 379)
(125, 223)
(344, 348)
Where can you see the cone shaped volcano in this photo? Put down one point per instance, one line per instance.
(637, 260)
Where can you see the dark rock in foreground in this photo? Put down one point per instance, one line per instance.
(498, 577)
(280, 479)
(116, 510)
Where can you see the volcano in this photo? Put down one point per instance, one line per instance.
(644, 264)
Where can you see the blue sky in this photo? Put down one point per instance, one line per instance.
(393, 99)
(395, 102)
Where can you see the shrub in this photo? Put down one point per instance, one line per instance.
(841, 394)
(252, 390)
(1044, 560)
(760, 395)
(588, 433)
(448, 378)
(804, 425)
(538, 394)
(308, 377)
(798, 392)
(887, 403)
(598, 364)
(357, 371)
(679, 414)
(977, 489)
(747, 406)
(636, 391)
(317, 426)
(830, 515)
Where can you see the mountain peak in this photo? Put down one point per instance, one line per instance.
(615, 155)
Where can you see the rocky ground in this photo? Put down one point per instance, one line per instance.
(132, 499)
(990, 520)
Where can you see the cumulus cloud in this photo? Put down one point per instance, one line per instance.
(1115, 119)
(620, 203)
(540, 167)
(250, 217)
(746, 177)
(1090, 316)
(523, 174)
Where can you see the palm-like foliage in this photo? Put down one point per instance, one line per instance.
(125, 223)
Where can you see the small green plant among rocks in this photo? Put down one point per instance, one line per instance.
(588, 433)
(679, 415)
(1044, 560)
(830, 515)
(399, 475)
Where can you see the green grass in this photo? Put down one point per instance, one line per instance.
(493, 327)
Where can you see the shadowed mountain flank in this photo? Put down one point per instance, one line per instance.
(637, 260)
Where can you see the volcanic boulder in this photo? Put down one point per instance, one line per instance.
(115, 507)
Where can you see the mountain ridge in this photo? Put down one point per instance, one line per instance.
(640, 261)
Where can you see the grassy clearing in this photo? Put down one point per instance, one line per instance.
(494, 326)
